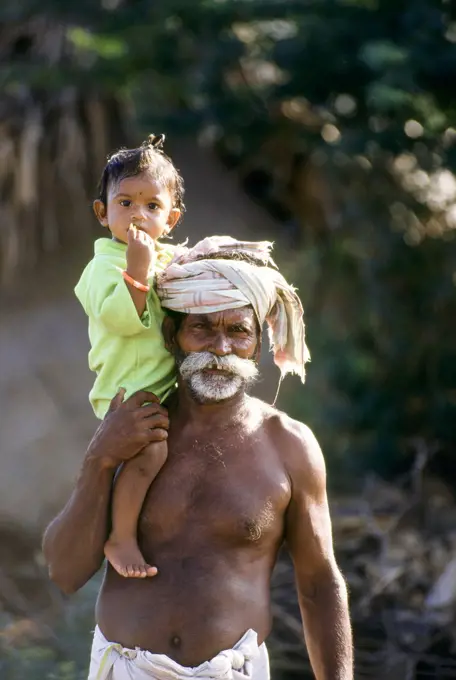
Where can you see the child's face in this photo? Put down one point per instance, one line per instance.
(141, 201)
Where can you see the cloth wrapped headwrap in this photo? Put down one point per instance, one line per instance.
(212, 277)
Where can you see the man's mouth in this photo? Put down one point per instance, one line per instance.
(219, 370)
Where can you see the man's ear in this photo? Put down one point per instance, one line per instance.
(100, 211)
(169, 333)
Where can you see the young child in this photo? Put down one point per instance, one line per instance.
(140, 200)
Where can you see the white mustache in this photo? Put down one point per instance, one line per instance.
(195, 362)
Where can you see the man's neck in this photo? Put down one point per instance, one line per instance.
(187, 411)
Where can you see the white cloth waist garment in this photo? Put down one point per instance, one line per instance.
(111, 661)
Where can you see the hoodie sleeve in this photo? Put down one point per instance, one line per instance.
(104, 295)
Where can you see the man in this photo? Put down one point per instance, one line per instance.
(241, 479)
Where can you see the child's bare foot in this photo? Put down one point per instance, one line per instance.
(127, 560)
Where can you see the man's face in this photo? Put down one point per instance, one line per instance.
(216, 353)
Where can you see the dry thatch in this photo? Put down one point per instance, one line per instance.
(53, 145)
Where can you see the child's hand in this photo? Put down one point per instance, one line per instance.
(141, 253)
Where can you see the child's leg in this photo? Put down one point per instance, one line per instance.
(130, 490)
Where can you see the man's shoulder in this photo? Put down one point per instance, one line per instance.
(295, 441)
(283, 424)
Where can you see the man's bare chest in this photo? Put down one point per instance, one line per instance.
(217, 489)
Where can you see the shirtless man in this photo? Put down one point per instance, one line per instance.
(241, 479)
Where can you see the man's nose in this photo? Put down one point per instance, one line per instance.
(220, 345)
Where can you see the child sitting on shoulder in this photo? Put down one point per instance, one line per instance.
(140, 201)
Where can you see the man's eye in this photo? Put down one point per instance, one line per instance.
(239, 329)
(125, 203)
(198, 326)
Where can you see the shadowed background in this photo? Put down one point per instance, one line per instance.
(328, 127)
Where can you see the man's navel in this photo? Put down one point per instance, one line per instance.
(176, 642)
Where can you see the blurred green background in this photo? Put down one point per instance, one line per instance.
(337, 118)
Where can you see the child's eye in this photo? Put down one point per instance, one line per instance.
(153, 206)
(125, 203)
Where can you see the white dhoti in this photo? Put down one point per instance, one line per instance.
(111, 661)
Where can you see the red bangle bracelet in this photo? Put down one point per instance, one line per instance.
(136, 284)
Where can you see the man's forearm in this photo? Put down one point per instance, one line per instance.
(327, 628)
(73, 543)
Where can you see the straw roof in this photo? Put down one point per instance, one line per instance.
(54, 139)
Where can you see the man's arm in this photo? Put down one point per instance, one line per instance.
(321, 588)
(74, 541)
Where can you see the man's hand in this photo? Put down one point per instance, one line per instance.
(141, 254)
(128, 427)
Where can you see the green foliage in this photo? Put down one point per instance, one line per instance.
(362, 90)
(104, 47)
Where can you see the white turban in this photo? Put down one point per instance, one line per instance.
(192, 284)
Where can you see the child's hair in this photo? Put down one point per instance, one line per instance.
(149, 156)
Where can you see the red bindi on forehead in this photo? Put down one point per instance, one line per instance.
(139, 187)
